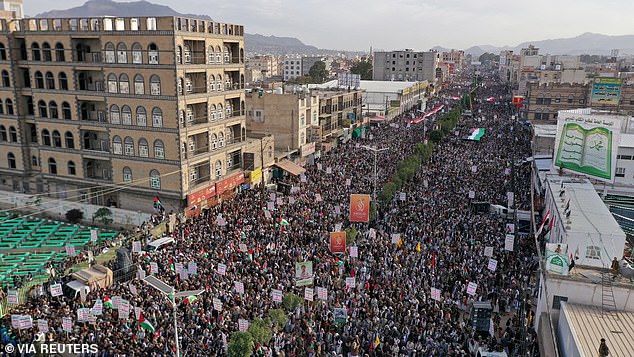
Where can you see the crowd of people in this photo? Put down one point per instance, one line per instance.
(390, 310)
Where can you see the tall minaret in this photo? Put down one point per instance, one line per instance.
(12, 9)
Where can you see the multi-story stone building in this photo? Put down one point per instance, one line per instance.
(406, 65)
(543, 101)
(292, 67)
(114, 111)
(262, 67)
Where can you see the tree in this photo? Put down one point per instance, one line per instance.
(240, 344)
(279, 318)
(291, 301)
(364, 68)
(104, 215)
(351, 235)
(435, 136)
(318, 72)
(261, 331)
(74, 215)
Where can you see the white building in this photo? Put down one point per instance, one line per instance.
(405, 65)
(582, 222)
(292, 67)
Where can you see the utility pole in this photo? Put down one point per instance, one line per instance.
(376, 152)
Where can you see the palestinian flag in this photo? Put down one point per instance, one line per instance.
(145, 323)
(284, 222)
(171, 264)
(203, 254)
(541, 227)
(490, 99)
(250, 254)
(190, 299)
(108, 303)
(476, 134)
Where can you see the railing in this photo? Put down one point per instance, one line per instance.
(200, 180)
(196, 90)
(93, 57)
(199, 151)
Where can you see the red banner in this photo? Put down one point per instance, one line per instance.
(337, 242)
(229, 183)
(202, 195)
(359, 208)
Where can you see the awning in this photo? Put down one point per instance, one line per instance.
(377, 118)
(290, 167)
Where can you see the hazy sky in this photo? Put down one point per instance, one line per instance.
(396, 24)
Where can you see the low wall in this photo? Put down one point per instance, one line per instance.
(57, 208)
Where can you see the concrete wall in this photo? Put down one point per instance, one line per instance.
(567, 345)
(58, 208)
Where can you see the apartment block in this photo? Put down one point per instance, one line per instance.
(543, 101)
(292, 67)
(406, 65)
(114, 111)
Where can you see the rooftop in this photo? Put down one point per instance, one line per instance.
(386, 86)
(588, 326)
(588, 214)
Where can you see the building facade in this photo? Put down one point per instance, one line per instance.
(543, 101)
(406, 65)
(261, 67)
(114, 111)
(288, 117)
(292, 67)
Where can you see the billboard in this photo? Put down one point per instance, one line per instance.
(359, 208)
(304, 273)
(587, 143)
(337, 242)
(350, 80)
(606, 91)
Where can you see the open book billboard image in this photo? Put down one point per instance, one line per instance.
(587, 143)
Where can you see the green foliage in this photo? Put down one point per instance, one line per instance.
(351, 235)
(318, 72)
(364, 68)
(489, 57)
(388, 192)
(346, 123)
(103, 215)
(261, 331)
(373, 209)
(240, 344)
(74, 215)
(279, 318)
(436, 136)
(291, 301)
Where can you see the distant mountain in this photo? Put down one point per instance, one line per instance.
(587, 43)
(254, 43)
(112, 8)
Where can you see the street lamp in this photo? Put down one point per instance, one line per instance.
(168, 290)
(376, 152)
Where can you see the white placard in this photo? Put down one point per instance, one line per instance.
(402, 196)
(42, 326)
(26, 321)
(350, 282)
(243, 325)
(277, 295)
(136, 247)
(338, 227)
(192, 268)
(12, 297)
(472, 194)
(82, 314)
(474, 169)
(317, 197)
(67, 324)
(217, 304)
(488, 251)
(178, 267)
(396, 237)
(328, 170)
(435, 294)
(308, 294)
(354, 251)
(493, 264)
(322, 293)
(56, 290)
(97, 308)
(239, 286)
(509, 242)
(348, 182)
(154, 268)
(471, 288)
(70, 250)
(93, 235)
(222, 269)
(133, 289)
